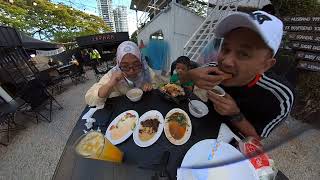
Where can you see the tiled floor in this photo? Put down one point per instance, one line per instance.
(34, 152)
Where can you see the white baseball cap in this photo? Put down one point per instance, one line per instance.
(269, 27)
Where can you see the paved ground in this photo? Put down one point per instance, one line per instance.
(34, 152)
(299, 158)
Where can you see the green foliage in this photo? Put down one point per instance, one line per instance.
(308, 91)
(134, 37)
(198, 6)
(49, 21)
(297, 7)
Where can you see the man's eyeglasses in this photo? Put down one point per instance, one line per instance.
(134, 67)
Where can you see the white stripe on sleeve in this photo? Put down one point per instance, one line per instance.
(285, 104)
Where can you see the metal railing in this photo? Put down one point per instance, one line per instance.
(153, 7)
(205, 32)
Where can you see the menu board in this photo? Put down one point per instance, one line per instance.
(303, 34)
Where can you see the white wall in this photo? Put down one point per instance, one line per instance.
(177, 24)
(160, 22)
(185, 24)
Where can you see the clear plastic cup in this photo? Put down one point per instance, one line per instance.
(94, 145)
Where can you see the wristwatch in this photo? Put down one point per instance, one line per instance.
(236, 118)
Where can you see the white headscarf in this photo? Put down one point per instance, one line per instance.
(127, 47)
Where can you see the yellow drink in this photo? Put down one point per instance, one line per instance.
(95, 146)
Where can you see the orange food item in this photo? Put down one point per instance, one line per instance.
(176, 130)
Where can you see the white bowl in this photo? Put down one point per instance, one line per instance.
(220, 90)
(201, 106)
(134, 94)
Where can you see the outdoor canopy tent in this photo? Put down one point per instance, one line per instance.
(10, 37)
(35, 44)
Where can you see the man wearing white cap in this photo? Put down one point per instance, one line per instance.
(256, 101)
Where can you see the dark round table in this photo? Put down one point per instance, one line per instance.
(140, 163)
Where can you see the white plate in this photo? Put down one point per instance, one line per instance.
(115, 121)
(187, 134)
(150, 114)
(198, 155)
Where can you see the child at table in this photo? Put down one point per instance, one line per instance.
(182, 65)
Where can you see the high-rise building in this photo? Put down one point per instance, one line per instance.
(121, 19)
(106, 13)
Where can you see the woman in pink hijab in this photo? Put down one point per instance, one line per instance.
(130, 65)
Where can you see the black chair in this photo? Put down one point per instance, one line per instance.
(51, 82)
(37, 96)
(76, 74)
(7, 114)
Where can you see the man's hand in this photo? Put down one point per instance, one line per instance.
(202, 77)
(116, 77)
(147, 87)
(225, 106)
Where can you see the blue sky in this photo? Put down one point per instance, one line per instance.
(90, 6)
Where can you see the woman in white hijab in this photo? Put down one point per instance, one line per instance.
(130, 65)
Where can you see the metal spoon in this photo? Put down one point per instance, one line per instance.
(130, 83)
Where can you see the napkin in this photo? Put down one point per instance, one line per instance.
(89, 113)
(89, 122)
(225, 134)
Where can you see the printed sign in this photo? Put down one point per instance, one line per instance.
(312, 66)
(107, 38)
(303, 28)
(305, 46)
(309, 56)
(304, 37)
(299, 20)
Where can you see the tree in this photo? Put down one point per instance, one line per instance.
(198, 6)
(48, 21)
(297, 7)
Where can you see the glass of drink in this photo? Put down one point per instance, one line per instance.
(94, 145)
(209, 53)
